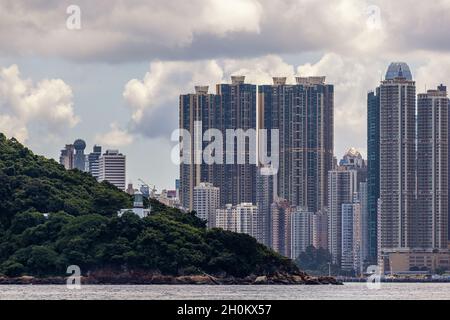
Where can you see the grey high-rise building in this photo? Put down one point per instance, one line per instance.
(237, 110)
(66, 157)
(430, 226)
(233, 107)
(79, 157)
(301, 231)
(303, 114)
(195, 109)
(342, 186)
(93, 161)
(264, 199)
(373, 171)
(397, 160)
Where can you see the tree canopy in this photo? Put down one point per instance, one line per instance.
(51, 218)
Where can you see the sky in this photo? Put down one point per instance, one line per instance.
(115, 78)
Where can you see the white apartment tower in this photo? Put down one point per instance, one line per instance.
(206, 202)
(342, 185)
(112, 168)
(301, 231)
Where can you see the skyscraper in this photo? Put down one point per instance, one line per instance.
(93, 161)
(301, 231)
(350, 213)
(363, 237)
(397, 159)
(79, 161)
(113, 168)
(236, 110)
(233, 107)
(320, 229)
(342, 185)
(196, 115)
(303, 114)
(206, 202)
(67, 157)
(281, 212)
(373, 171)
(430, 226)
(264, 199)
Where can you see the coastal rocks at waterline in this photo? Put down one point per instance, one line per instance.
(147, 279)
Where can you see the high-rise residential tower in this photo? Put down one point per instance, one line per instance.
(430, 226)
(236, 110)
(67, 157)
(281, 212)
(301, 231)
(233, 107)
(397, 159)
(206, 202)
(196, 115)
(373, 171)
(264, 199)
(303, 114)
(93, 161)
(342, 185)
(112, 167)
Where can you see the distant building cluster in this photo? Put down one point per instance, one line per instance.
(390, 211)
(108, 166)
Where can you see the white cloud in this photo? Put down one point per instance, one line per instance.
(212, 29)
(116, 137)
(154, 99)
(13, 127)
(48, 104)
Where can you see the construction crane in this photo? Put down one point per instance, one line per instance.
(152, 192)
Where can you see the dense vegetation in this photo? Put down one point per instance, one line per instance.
(81, 227)
(317, 262)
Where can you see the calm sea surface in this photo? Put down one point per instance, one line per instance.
(189, 292)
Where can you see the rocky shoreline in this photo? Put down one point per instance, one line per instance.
(148, 279)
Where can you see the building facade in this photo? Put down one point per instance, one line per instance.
(397, 160)
(430, 227)
(206, 202)
(233, 107)
(373, 171)
(79, 160)
(303, 114)
(301, 231)
(320, 229)
(112, 167)
(93, 161)
(242, 218)
(66, 157)
(264, 199)
(281, 212)
(342, 185)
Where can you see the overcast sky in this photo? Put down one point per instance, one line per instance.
(116, 81)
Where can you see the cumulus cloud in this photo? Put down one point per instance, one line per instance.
(116, 137)
(154, 99)
(47, 104)
(117, 31)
